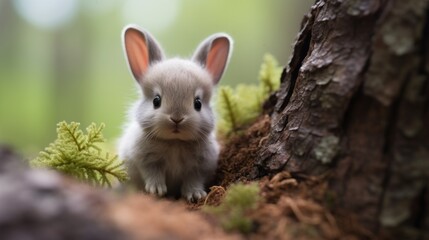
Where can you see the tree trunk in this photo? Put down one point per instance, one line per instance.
(354, 102)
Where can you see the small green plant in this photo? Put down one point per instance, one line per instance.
(269, 75)
(76, 153)
(238, 107)
(239, 200)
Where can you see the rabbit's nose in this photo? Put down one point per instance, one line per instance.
(176, 120)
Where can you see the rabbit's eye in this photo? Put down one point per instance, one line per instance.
(197, 104)
(157, 101)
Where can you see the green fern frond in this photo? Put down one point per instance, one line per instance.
(269, 75)
(71, 134)
(227, 108)
(94, 135)
(250, 102)
(76, 154)
(243, 104)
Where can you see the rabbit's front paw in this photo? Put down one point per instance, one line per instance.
(156, 188)
(194, 195)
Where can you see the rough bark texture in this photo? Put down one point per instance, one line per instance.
(354, 101)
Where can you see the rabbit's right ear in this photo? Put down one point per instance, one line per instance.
(141, 50)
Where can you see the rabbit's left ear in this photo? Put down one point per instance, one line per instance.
(213, 54)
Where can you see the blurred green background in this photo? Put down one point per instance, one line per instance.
(63, 60)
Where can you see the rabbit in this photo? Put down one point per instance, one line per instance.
(169, 144)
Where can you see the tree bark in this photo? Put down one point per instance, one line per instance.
(354, 102)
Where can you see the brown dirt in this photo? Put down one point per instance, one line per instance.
(145, 217)
(236, 161)
(293, 206)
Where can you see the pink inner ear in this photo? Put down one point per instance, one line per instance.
(137, 53)
(217, 58)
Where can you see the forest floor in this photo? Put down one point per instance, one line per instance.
(292, 206)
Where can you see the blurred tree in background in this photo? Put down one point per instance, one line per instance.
(62, 59)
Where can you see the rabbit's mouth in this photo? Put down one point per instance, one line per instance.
(176, 129)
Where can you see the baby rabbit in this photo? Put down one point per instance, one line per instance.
(169, 143)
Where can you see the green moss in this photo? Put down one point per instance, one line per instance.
(239, 106)
(239, 200)
(77, 154)
(327, 149)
